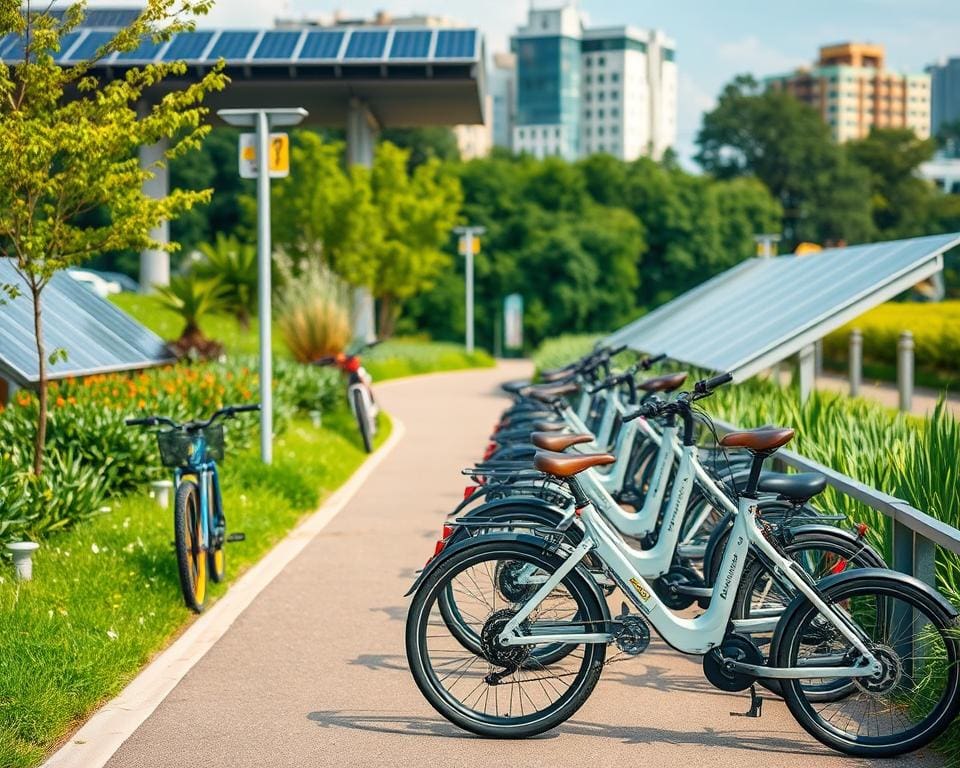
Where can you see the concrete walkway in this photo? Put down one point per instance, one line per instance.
(314, 672)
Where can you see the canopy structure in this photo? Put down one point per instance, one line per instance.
(97, 336)
(766, 309)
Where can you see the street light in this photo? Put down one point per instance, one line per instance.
(264, 120)
(466, 246)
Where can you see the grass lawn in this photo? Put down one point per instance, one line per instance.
(106, 598)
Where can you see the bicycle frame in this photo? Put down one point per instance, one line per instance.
(207, 479)
(706, 631)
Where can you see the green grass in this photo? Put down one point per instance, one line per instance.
(105, 596)
(409, 357)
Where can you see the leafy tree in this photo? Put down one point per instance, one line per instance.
(784, 143)
(69, 144)
(434, 141)
(417, 211)
(900, 199)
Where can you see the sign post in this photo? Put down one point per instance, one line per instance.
(266, 164)
(469, 246)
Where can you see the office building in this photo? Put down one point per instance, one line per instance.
(945, 98)
(584, 90)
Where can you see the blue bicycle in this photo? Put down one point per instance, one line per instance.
(192, 450)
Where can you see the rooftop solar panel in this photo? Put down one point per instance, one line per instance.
(187, 46)
(113, 18)
(146, 51)
(321, 45)
(88, 47)
(277, 45)
(456, 44)
(66, 43)
(411, 44)
(97, 336)
(232, 46)
(366, 44)
(14, 49)
(815, 294)
(5, 42)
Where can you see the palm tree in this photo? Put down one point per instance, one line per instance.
(193, 299)
(234, 265)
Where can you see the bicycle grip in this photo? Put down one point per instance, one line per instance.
(148, 422)
(718, 381)
(652, 361)
(246, 408)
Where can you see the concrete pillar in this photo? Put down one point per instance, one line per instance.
(905, 370)
(855, 359)
(362, 129)
(155, 264)
(807, 364)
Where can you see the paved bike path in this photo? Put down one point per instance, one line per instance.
(314, 673)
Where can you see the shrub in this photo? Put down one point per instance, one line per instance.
(404, 357)
(194, 299)
(313, 311)
(234, 265)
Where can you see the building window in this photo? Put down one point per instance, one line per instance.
(587, 79)
(614, 112)
(601, 61)
(520, 133)
(600, 130)
(614, 130)
(556, 132)
(614, 95)
(587, 113)
(614, 77)
(588, 61)
(600, 78)
(600, 114)
(586, 131)
(601, 147)
(601, 96)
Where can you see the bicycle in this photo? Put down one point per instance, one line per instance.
(858, 636)
(359, 391)
(192, 450)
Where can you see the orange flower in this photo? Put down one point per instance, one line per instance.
(61, 402)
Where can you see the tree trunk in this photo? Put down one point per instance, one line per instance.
(41, 434)
(389, 311)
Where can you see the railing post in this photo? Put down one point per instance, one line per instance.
(905, 371)
(856, 361)
(806, 359)
(818, 356)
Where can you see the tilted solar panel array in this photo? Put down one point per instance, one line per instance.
(764, 310)
(345, 46)
(96, 335)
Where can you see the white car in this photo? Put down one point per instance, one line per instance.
(103, 288)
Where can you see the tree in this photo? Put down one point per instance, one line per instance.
(784, 143)
(69, 144)
(901, 200)
(233, 264)
(417, 211)
(434, 141)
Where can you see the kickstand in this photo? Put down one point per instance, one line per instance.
(756, 705)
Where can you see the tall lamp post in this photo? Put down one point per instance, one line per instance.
(468, 246)
(264, 120)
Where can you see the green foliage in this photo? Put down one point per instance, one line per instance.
(313, 311)
(408, 357)
(233, 265)
(193, 298)
(69, 145)
(434, 141)
(784, 143)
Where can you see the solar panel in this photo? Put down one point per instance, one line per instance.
(187, 46)
(411, 44)
(366, 44)
(730, 323)
(277, 45)
(5, 41)
(456, 44)
(321, 45)
(112, 18)
(92, 43)
(14, 49)
(232, 45)
(96, 335)
(66, 43)
(146, 51)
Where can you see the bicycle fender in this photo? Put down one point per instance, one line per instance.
(831, 530)
(800, 600)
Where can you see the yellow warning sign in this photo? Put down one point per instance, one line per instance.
(279, 156)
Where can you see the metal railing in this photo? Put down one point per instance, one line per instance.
(916, 535)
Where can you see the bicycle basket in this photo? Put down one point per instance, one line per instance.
(177, 447)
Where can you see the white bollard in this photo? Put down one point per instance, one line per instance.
(22, 552)
(160, 490)
(905, 370)
(856, 362)
(317, 418)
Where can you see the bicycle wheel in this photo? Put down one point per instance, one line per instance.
(502, 691)
(911, 700)
(363, 420)
(188, 536)
(216, 555)
(819, 553)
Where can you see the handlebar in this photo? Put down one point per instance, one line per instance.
(656, 407)
(648, 362)
(226, 413)
(706, 387)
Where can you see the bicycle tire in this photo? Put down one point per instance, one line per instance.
(191, 559)
(363, 420)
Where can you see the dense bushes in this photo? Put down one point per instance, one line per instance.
(936, 335)
(408, 357)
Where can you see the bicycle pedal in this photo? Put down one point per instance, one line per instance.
(756, 705)
(235, 537)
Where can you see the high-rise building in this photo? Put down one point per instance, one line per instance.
(945, 96)
(581, 90)
(853, 91)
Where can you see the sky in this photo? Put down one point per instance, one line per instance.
(716, 39)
